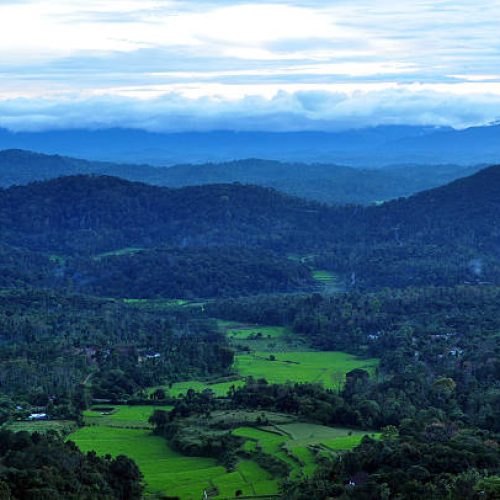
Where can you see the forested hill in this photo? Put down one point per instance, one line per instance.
(447, 235)
(327, 183)
(467, 209)
(108, 213)
(98, 214)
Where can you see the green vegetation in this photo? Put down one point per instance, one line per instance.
(296, 444)
(156, 303)
(63, 427)
(256, 332)
(325, 277)
(34, 465)
(170, 472)
(219, 389)
(163, 468)
(410, 351)
(120, 415)
(327, 368)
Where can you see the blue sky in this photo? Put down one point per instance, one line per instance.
(282, 65)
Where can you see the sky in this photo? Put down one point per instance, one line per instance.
(285, 65)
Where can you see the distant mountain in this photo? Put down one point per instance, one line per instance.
(369, 147)
(321, 182)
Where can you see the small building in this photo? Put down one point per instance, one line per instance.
(38, 416)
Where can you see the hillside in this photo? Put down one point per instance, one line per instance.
(446, 235)
(99, 214)
(321, 182)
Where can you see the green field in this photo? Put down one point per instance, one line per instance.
(219, 389)
(294, 443)
(177, 389)
(327, 280)
(169, 472)
(121, 415)
(125, 430)
(256, 332)
(327, 368)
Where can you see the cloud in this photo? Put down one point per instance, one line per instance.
(207, 63)
(283, 110)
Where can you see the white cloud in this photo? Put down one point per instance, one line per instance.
(326, 60)
(295, 109)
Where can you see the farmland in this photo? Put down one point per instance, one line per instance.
(120, 416)
(219, 389)
(125, 429)
(278, 355)
(327, 368)
(296, 444)
(164, 469)
(256, 332)
(325, 277)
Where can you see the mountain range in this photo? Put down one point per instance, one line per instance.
(368, 147)
(327, 183)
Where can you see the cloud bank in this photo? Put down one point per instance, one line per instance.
(282, 65)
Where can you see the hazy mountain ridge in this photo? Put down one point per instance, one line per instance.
(375, 146)
(321, 182)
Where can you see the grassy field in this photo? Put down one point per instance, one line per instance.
(327, 368)
(169, 472)
(256, 332)
(293, 443)
(262, 338)
(220, 389)
(327, 280)
(120, 415)
(163, 468)
(125, 430)
(323, 276)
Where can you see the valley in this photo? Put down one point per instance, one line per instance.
(236, 341)
(249, 250)
(122, 429)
